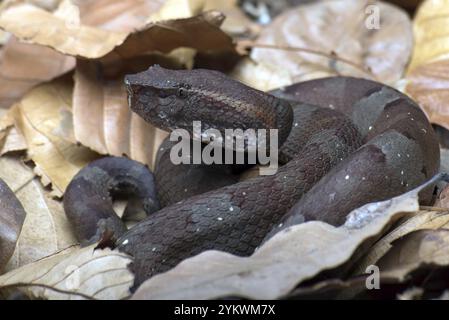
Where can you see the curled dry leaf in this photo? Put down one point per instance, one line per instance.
(414, 250)
(290, 257)
(80, 274)
(101, 116)
(237, 23)
(12, 216)
(117, 15)
(41, 119)
(431, 220)
(22, 66)
(10, 138)
(430, 27)
(46, 229)
(427, 75)
(345, 34)
(38, 26)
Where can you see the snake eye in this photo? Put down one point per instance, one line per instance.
(182, 93)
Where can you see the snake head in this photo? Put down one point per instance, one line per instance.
(157, 96)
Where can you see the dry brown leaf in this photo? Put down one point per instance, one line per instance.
(10, 138)
(415, 250)
(427, 75)
(102, 118)
(337, 28)
(430, 220)
(12, 216)
(428, 84)
(40, 119)
(287, 259)
(80, 274)
(38, 26)
(201, 32)
(46, 229)
(237, 23)
(22, 66)
(430, 27)
(117, 15)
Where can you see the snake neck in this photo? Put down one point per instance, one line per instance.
(174, 99)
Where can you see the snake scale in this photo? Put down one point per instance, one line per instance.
(344, 142)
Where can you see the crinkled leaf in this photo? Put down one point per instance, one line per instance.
(79, 274)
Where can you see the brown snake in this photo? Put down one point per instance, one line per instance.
(345, 142)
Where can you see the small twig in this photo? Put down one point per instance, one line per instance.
(247, 44)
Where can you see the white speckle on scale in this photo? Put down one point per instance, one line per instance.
(231, 209)
(296, 124)
(399, 155)
(244, 193)
(370, 128)
(197, 230)
(185, 190)
(220, 219)
(125, 242)
(280, 225)
(347, 177)
(154, 249)
(363, 178)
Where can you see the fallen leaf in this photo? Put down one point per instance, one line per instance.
(10, 138)
(22, 66)
(430, 220)
(117, 15)
(290, 257)
(46, 229)
(12, 216)
(39, 120)
(80, 274)
(428, 84)
(415, 250)
(101, 115)
(430, 28)
(38, 26)
(333, 39)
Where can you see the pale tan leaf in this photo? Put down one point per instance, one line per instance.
(35, 25)
(337, 29)
(38, 26)
(287, 259)
(102, 118)
(117, 15)
(80, 274)
(414, 250)
(176, 9)
(419, 221)
(431, 32)
(39, 120)
(10, 138)
(22, 66)
(46, 229)
(428, 84)
(12, 216)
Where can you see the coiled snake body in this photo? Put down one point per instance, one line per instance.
(346, 142)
